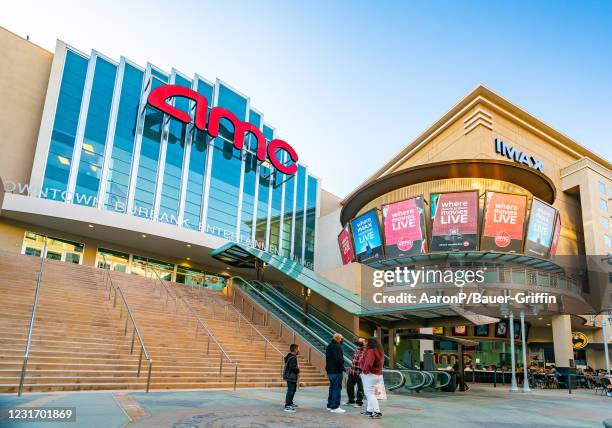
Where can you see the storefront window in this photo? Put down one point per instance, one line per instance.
(142, 266)
(197, 278)
(113, 260)
(55, 248)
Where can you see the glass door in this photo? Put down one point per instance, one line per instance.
(115, 260)
(55, 248)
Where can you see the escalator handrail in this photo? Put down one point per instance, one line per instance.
(353, 336)
(317, 337)
(273, 288)
(420, 385)
(308, 316)
(448, 376)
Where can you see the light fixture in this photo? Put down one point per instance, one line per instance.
(548, 325)
(143, 235)
(90, 226)
(63, 160)
(188, 258)
(228, 268)
(540, 318)
(188, 245)
(88, 148)
(397, 339)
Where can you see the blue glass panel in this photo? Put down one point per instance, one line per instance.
(225, 171)
(146, 178)
(311, 218)
(288, 214)
(197, 169)
(263, 197)
(173, 169)
(123, 142)
(298, 243)
(250, 177)
(94, 139)
(65, 125)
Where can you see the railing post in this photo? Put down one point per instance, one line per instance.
(149, 376)
(235, 375)
(133, 337)
(221, 364)
(208, 346)
(139, 363)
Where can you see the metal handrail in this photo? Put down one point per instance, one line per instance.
(202, 323)
(135, 331)
(26, 354)
(253, 327)
(311, 318)
(346, 359)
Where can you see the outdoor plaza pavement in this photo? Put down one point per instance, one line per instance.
(481, 406)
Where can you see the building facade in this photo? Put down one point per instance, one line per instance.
(95, 173)
(102, 146)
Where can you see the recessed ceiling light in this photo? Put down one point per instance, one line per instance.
(188, 258)
(540, 318)
(143, 235)
(548, 325)
(188, 245)
(227, 268)
(91, 226)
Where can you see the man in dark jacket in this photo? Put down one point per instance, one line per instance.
(334, 366)
(354, 376)
(290, 374)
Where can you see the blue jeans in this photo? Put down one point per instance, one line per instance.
(291, 387)
(335, 386)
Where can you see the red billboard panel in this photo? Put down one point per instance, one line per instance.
(347, 251)
(404, 226)
(454, 221)
(504, 222)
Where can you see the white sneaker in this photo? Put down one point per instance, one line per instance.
(338, 410)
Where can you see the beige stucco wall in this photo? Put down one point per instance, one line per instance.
(24, 73)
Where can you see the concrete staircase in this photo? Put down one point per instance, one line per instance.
(79, 340)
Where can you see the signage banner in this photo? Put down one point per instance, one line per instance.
(367, 239)
(347, 252)
(540, 229)
(555, 240)
(454, 219)
(504, 222)
(404, 224)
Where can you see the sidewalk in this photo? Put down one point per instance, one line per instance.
(482, 406)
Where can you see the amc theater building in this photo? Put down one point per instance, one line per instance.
(105, 157)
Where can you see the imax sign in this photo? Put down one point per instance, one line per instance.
(516, 155)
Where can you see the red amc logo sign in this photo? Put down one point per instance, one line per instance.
(158, 98)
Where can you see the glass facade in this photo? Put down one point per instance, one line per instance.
(63, 136)
(123, 142)
(135, 160)
(94, 139)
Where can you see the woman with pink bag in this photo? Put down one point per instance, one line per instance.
(371, 375)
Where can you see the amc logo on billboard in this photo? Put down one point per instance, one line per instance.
(159, 97)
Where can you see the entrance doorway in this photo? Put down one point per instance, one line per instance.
(55, 248)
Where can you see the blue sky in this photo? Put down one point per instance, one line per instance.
(349, 84)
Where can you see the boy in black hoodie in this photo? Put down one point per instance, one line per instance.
(290, 374)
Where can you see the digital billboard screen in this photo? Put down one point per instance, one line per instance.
(454, 221)
(404, 225)
(540, 228)
(367, 238)
(556, 234)
(347, 252)
(504, 222)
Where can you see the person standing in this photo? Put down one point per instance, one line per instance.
(354, 376)
(334, 366)
(371, 375)
(290, 374)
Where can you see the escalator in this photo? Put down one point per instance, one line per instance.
(323, 327)
(315, 333)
